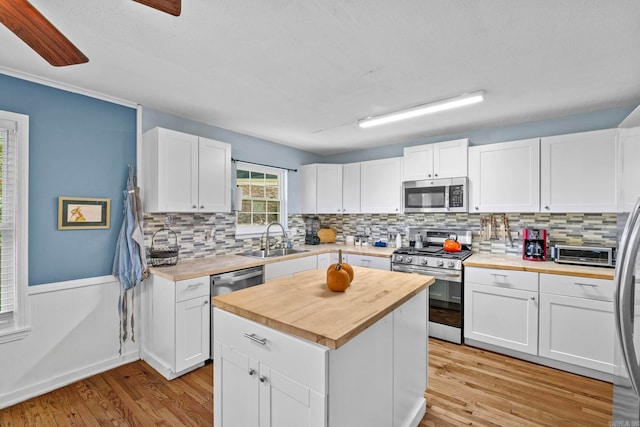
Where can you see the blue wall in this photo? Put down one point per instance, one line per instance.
(243, 147)
(78, 146)
(602, 119)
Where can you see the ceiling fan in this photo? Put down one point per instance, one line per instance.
(26, 22)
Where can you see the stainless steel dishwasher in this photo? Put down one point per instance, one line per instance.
(233, 281)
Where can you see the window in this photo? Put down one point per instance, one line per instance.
(263, 192)
(13, 224)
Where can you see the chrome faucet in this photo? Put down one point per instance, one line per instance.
(284, 235)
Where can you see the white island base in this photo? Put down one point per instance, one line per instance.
(264, 377)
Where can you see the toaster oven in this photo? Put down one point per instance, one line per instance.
(584, 255)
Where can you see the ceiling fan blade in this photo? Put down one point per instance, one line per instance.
(172, 7)
(26, 22)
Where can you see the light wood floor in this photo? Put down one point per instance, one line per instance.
(467, 386)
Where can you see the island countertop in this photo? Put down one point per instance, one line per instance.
(304, 307)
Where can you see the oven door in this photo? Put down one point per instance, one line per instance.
(445, 295)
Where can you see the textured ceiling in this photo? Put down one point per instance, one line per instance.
(302, 73)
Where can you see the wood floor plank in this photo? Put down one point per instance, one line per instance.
(467, 386)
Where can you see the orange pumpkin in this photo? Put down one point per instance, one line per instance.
(338, 277)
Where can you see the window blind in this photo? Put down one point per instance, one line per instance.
(8, 190)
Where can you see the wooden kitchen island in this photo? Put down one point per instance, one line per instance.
(292, 353)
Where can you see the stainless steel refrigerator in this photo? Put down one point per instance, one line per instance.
(626, 387)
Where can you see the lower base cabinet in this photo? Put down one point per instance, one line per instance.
(501, 308)
(290, 267)
(577, 321)
(176, 318)
(264, 377)
(367, 261)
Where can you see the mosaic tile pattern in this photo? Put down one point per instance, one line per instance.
(569, 228)
(194, 241)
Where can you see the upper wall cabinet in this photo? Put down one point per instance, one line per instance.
(330, 188)
(505, 177)
(381, 186)
(441, 160)
(578, 172)
(185, 173)
(629, 172)
(351, 188)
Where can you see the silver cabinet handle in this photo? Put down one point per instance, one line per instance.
(546, 207)
(593, 285)
(255, 338)
(533, 298)
(194, 207)
(263, 379)
(498, 275)
(205, 302)
(251, 372)
(201, 206)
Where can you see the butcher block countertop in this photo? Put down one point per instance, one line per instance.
(516, 263)
(304, 307)
(188, 269)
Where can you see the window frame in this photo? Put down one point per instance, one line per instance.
(256, 231)
(14, 325)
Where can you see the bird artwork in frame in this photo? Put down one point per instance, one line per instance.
(81, 213)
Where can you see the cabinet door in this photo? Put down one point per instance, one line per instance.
(329, 188)
(177, 176)
(488, 167)
(308, 189)
(236, 374)
(450, 158)
(578, 172)
(418, 162)
(290, 267)
(214, 172)
(629, 172)
(503, 317)
(192, 332)
(351, 188)
(381, 185)
(285, 402)
(577, 331)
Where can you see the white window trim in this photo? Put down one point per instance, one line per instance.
(16, 327)
(257, 231)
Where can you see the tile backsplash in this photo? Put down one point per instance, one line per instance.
(564, 228)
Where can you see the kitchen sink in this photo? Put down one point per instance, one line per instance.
(273, 253)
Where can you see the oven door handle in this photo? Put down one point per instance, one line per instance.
(438, 274)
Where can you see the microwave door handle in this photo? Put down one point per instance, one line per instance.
(446, 197)
(625, 296)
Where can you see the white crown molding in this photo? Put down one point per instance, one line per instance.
(66, 87)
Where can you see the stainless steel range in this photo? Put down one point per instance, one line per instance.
(425, 255)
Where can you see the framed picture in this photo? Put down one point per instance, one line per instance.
(81, 213)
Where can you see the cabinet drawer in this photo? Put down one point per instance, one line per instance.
(581, 287)
(192, 288)
(296, 358)
(511, 279)
(380, 263)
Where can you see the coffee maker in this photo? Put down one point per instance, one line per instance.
(534, 244)
(312, 226)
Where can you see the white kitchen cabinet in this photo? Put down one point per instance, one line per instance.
(176, 318)
(579, 172)
(577, 321)
(185, 173)
(440, 160)
(272, 380)
(381, 185)
(322, 188)
(505, 177)
(290, 267)
(501, 308)
(268, 378)
(629, 172)
(351, 188)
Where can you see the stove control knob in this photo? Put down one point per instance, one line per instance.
(409, 259)
(399, 258)
(450, 264)
(425, 261)
(440, 263)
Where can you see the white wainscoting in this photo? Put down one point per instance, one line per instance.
(74, 334)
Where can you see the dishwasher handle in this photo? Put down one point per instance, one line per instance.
(227, 279)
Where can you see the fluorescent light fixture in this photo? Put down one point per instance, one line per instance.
(421, 110)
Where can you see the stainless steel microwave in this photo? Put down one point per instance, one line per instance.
(435, 195)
